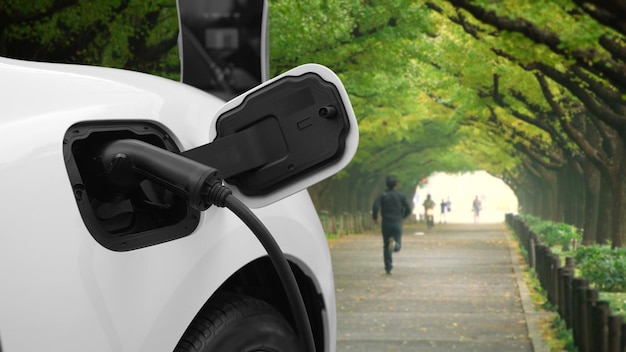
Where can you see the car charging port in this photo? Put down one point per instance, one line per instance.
(132, 159)
(124, 211)
(275, 139)
(128, 161)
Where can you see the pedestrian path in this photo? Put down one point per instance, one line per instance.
(457, 287)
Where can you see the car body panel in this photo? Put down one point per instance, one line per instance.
(61, 289)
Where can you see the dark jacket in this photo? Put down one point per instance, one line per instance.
(393, 206)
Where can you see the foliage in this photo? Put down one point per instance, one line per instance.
(530, 220)
(553, 233)
(514, 88)
(132, 34)
(617, 301)
(561, 338)
(384, 55)
(603, 266)
(561, 234)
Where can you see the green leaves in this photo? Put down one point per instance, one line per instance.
(552, 233)
(604, 267)
(300, 29)
(378, 48)
(436, 85)
(139, 35)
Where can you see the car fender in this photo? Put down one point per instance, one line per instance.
(61, 284)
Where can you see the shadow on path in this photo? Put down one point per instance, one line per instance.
(453, 288)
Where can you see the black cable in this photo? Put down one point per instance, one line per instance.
(201, 185)
(222, 197)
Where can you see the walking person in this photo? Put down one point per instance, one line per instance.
(429, 211)
(444, 207)
(393, 207)
(476, 207)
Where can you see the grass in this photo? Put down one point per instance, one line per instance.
(553, 329)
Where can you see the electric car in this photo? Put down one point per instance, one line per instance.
(144, 214)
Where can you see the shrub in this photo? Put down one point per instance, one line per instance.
(556, 234)
(530, 220)
(604, 267)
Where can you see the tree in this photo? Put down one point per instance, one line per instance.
(559, 83)
(375, 50)
(131, 34)
(584, 61)
(531, 91)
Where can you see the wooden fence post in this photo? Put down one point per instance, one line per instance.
(600, 326)
(531, 253)
(342, 224)
(568, 276)
(554, 277)
(615, 333)
(352, 223)
(525, 236)
(591, 297)
(540, 267)
(623, 342)
(332, 225)
(349, 223)
(543, 269)
(560, 291)
(579, 285)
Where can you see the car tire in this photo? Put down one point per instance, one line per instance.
(238, 323)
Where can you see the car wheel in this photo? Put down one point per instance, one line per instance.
(238, 323)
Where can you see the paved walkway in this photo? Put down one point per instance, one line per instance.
(457, 287)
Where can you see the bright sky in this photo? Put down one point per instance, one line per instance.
(496, 197)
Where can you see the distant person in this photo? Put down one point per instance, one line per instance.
(476, 207)
(449, 205)
(393, 207)
(429, 211)
(444, 208)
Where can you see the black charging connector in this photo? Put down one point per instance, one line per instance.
(127, 161)
(274, 136)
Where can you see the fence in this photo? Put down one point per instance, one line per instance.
(346, 223)
(349, 223)
(594, 327)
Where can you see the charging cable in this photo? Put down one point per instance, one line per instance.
(221, 196)
(127, 161)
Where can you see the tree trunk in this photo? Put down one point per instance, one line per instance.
(617, 184)
(549, 190)
(592, 202)
(618, 218)
(604, 213)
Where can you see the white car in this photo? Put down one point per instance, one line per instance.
(109, 241)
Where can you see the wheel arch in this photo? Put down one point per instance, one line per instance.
(258, 279)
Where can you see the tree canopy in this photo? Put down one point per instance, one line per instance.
(532, 91)
(131, 34)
